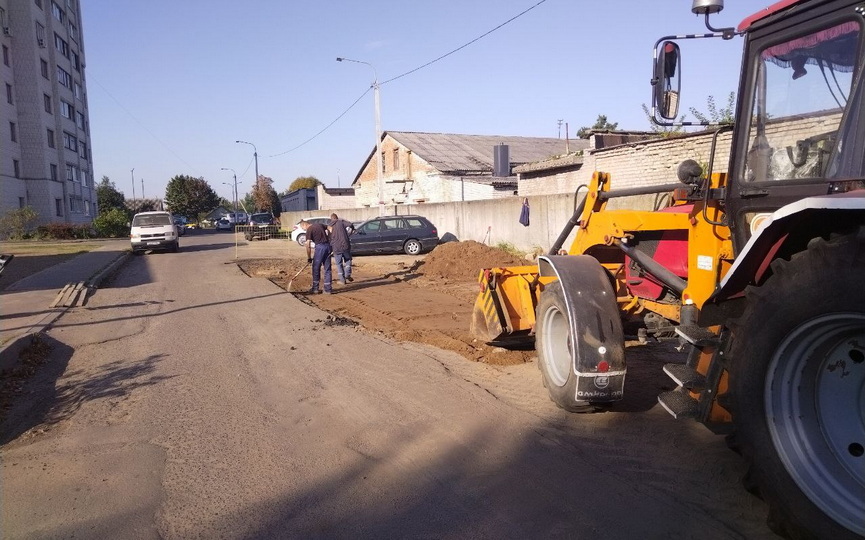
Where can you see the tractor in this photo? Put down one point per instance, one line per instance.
(755, 268)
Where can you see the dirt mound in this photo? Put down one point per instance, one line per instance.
(463, 260)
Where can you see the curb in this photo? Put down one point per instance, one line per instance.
(10, 350)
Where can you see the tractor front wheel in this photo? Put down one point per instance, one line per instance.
(555, 353)
(797, 376)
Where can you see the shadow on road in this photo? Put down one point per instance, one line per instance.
(34, 397)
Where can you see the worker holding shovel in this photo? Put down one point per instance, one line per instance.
(317, 234)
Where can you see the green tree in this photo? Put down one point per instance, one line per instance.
(663, 131)
(275, 203)
(18, 224)
(600, 123)
(190, 197)
(112, 223)
(301, 182)
(724, 115)
(107, 196)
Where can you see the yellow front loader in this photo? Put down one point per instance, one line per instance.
(659, 265)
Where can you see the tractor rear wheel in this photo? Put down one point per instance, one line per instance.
(797, 375)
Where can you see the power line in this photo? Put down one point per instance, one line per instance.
(325, 128)
(515, 17)
(485, 34)
(92, 79)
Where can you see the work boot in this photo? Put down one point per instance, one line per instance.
(349, 279)
(314, 291)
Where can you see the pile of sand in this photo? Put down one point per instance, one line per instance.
(463, 260)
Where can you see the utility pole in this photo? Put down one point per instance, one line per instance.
(378, 157)
(132, 172)
(142, 189)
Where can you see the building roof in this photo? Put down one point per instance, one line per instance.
(459, 155)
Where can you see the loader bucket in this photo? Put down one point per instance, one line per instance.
(504, 311)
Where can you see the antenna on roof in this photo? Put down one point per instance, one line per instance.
(560, 127)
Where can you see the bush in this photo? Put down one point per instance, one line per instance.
(18, 224)
(112, 224)
(65, 231)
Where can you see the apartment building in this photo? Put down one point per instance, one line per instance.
(45, 158)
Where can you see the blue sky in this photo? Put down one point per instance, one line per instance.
(173, 84)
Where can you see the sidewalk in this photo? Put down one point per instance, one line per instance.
(25, 305)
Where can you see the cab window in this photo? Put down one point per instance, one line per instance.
(802, 88)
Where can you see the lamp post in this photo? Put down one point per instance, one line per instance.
(378, 162)
(235, 188)
(255, 155)
(132, 172)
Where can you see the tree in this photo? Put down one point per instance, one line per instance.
(112, 223)
(717, 116)
(190, 197)
(663, 131)
(18, 224)
(264, 196)
(304, 182)
(600, 123)
(107, 196)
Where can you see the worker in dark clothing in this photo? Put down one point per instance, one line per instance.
(317, 234)
(340, 243)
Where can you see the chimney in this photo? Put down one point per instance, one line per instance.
(501, 160)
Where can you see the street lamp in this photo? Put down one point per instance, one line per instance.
(378, 163)
(235, 188)
(132, 172)
(255, 155)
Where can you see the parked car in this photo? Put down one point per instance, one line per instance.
(299, 235)
(153, 230)
(223, 225)
(239, 218)
(393, 234)
(180, 223)
(261, 225)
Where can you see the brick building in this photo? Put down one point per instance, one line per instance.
(442, 167)
(45, 161)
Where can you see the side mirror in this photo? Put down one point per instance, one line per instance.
(667, 82)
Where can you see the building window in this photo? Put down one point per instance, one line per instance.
(40, 34)
(51, 142)
(44, 66)
(13, 132)
(58, 207)
(396, 159)
(76, 62)
(61, 45)
(66, 110)
(5, 55)
(57, 12)
(73, 31)
(64, 78)
(79, 120)
(76, 205)
(8, 93)
(383, 161)
(54, 172)
(72, 173)
(46, 99)
(70, 142)
(83, 150)
(16, 168)
(79, 93)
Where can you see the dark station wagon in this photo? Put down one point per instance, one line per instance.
(393, 234)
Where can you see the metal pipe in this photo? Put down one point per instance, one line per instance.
(653, 267)
(644, 190)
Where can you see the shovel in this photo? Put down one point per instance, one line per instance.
(288, 289)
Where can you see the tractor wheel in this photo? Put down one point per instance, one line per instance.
(797, 374)
(555, 357)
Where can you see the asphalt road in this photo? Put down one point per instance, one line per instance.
(188, 400)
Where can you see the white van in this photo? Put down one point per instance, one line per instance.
(153, 230)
